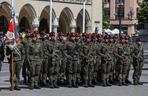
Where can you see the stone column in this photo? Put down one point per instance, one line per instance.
(55, 25)
(131, 29)
(16, 21)
(112, 9)
(88, 27)
(73, 25)
(35, 24)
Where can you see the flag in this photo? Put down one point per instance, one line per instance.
(10, 36)
(13, 37)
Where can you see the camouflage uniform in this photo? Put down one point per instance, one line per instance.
(126, 66)
(18, 62)
(106, 66)
(72, 63)
(35, 60)
(44, 67)
(120, 63)
(138, 59)
(54, 63)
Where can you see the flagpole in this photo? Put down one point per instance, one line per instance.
(84, 7)
(50, 30)
(12, 8)
(12, 67)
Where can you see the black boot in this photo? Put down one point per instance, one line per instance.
(120, 83)
(51, 85)
(31, 87)
(140, 83)
(108, 84)
(104, 84)
(17, 88)
(90, 84)
(75, 85)
(55, 84)
(70, 84)
(11, 88)
(25, 80)
(86, 84)
(37, 87)
(125, 84)
(128, 82)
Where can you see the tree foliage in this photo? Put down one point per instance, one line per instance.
(106, 24)
(143, 13)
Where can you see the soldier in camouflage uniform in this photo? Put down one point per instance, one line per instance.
(54, 61)
(18, 58)
(111, 52)
(35, 60)
(72, 63)
(121, 61)
(105, 62)
(138, 59)
(127, 53)
(25, 67)
(44, 67)
(78, 45)
(97, 67)
(87, 67)
(63, 51)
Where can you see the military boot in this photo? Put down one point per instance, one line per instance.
(90, 84)
(104, 84)
(109, 84)
(11, 88)
(135, 83)
(140, 83)
(74, 84)
(120, 83)
(85, 83)
(17, 88)
(55, 84)
(51, 85)
(70, 84)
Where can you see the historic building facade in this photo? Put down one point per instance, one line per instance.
(67, 15)
(128, 13)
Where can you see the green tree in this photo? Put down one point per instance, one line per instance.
(143, 13)
(106, 24)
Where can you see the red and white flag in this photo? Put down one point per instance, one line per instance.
(10, 36)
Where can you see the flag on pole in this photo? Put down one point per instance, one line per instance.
(12, 36)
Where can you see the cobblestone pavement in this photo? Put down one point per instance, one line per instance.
(97, 91)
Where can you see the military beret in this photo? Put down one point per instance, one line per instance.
(93, 35)
(126, 38)
(138, 39)
(52, 34)
(72, 34)
(87, 35)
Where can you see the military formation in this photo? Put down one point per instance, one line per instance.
(76, 59)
